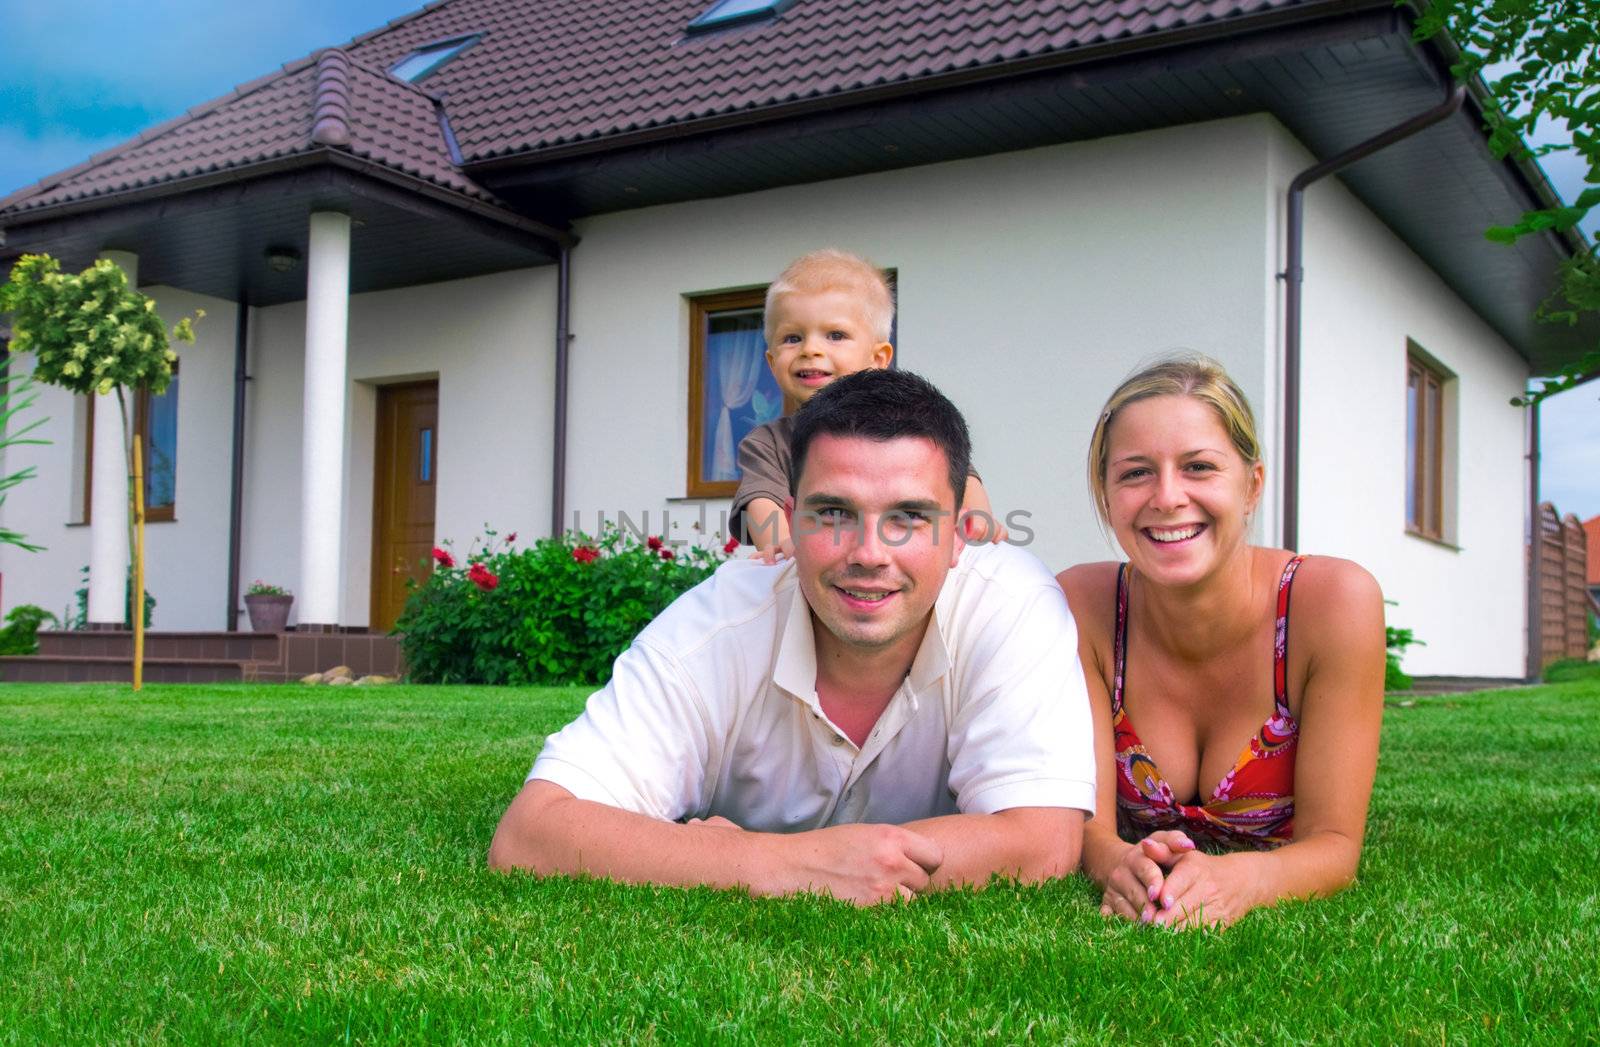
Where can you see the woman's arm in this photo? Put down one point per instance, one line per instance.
(1130, 874)
(1337, 620)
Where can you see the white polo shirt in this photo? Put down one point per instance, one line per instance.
(713, 710)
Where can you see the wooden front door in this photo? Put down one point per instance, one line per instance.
(405, 478)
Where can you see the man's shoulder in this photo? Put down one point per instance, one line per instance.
(1002, 595)
(738, 604)
(1000, 568)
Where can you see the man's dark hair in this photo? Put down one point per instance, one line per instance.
(883, 405)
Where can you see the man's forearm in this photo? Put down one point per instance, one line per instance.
(1028, 844)
(547, 830)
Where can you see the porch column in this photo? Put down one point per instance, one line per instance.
(322, 433)
(108, 497)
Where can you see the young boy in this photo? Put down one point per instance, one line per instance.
(828, 314)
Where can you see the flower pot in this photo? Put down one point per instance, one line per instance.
(268, 614)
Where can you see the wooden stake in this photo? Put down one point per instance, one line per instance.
(138, 565)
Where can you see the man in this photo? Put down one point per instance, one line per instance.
(889, 713)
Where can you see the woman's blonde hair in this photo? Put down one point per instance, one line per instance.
(1184, 374)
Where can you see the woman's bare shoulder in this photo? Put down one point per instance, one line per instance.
(1329, 585)
(1091, 590)
(1337, 609)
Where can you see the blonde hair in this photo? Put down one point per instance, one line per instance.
(833, 270)
(1184, 374)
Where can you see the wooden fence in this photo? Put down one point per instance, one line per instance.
(1563, 587)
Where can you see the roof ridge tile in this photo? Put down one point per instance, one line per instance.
(330, 114)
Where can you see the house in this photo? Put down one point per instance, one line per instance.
(501, 262)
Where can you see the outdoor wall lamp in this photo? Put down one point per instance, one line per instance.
(282, 259)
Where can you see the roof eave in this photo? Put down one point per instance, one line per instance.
(299, 161)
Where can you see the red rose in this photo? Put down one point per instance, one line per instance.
(482, 577)
(667, 554)
(654, 543)
(443, 558)
(732, 544)
(586, 554)
(511, 537)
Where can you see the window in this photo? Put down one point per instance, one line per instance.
(1426, 460)
(428, 59)
(734, 12)
(156, 419)
(731, 389)
(158, 427)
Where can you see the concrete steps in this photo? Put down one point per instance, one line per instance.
(84, 656)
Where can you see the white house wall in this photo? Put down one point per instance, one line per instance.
(1366, 293)
(1030, 283)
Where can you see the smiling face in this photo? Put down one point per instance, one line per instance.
(874, 536)
(819, 336)
(1178, 493)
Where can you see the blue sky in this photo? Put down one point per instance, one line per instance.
(81, 76)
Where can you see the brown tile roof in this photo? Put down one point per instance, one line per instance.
(551, 73)
(331, 102)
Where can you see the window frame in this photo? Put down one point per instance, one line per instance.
(701, 308)
(705, 23)
(141, 415)
(450, 48)
(1425, 455)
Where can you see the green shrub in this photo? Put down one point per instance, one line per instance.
(559, 611)
(22, 626)
(1571, 670)
(1396, 641)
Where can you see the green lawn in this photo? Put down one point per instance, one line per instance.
(298, 864)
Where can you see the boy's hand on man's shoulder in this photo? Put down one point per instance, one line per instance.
(772, 554)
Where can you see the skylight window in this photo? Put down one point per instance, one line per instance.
(733, 12)
(425, 60)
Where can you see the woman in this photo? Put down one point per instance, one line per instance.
(1236, 743)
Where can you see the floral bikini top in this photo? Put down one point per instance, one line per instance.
(1253, 805)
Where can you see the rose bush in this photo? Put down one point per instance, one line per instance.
(557, 612)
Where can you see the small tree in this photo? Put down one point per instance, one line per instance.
(92, 334)
(1551, 49)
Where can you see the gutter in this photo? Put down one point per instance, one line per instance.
(1294, 276)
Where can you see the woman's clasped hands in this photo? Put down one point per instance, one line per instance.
(1164, 880)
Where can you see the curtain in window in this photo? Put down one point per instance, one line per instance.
(739, 359)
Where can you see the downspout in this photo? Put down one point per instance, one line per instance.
(241, 335)
(1294, 274)
(1535, 619)
(558, 472)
